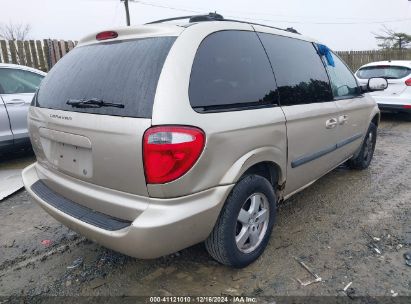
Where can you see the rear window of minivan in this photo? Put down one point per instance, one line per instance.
(121, 72)
(384, 71)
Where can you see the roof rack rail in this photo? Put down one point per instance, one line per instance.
(193, 18)
(288, 29)
(217, 17)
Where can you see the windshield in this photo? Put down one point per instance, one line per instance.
(384, 71)
(119, 72)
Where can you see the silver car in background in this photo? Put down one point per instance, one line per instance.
(397, 97)
(17, 87)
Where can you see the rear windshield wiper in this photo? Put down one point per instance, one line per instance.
(92, 103)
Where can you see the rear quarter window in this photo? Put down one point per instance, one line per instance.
(231, 71)
(123, 72)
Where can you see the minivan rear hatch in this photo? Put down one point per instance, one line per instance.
(92, 110)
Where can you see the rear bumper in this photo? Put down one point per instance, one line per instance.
(394, 103)
(394, 108)
(163, 227)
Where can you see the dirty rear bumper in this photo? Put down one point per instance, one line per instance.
(163, 227)
(395, 108)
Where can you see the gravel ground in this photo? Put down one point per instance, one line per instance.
(350, 226)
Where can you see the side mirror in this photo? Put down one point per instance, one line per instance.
(377, 84)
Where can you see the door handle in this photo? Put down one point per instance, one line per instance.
(342, 119)
(331, 123)
(16, 102)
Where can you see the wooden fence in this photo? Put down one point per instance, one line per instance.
(355, 59)
(39, 54)
(43, 54)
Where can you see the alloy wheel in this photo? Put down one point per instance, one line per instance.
(252, 222)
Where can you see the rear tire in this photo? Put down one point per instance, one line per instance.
(363, 159)
(244, 226)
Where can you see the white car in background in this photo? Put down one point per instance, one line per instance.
(397, 97)
(17, 87)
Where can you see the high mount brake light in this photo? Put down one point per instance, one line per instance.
(170, 151)
(106, 35)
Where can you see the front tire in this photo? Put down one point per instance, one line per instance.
(244, 226)
(364, 157)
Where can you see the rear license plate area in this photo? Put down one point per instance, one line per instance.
(69, 158)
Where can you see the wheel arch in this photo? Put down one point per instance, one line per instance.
(376, 119)
(268, 170)
(269, 163)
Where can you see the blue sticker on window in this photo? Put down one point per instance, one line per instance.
(326, 52)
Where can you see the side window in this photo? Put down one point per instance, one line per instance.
(300, 74)
(231, 70)
(343, 83)
(13, 81)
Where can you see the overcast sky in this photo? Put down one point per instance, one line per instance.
(341, 24)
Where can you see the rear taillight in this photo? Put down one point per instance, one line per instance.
(169, 152)
(106, 35)
(408, 107)
(408, 82)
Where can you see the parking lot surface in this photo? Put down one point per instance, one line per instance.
(348, 227)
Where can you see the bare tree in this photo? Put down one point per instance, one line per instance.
(389, 39)
(12, 31)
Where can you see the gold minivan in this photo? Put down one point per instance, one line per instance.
(153, 138)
